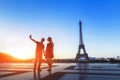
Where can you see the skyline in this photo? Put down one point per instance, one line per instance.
(60, 20)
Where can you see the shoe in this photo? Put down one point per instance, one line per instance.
(49, 70)
(39, 69)
(34, 69)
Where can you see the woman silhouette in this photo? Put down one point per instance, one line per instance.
(49, 52)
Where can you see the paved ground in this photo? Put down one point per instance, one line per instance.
(60, 71)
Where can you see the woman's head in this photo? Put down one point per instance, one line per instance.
(49, 39)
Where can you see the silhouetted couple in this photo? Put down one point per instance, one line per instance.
(48, 53)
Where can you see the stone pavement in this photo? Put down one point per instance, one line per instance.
(60, 71)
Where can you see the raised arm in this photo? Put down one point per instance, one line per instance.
(32, 38)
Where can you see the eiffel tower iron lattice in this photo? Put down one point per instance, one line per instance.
(81, 46)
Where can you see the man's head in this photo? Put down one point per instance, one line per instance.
(42, 39)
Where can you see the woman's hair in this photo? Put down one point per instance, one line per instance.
(49, 39)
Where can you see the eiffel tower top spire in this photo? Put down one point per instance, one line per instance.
(80, 32)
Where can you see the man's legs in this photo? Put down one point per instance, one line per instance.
(39, 64)
(35, 63)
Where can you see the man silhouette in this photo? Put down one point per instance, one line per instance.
(39, 52)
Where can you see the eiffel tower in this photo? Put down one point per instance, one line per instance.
(81, 46)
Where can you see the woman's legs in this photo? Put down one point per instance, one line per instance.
(49, 61)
